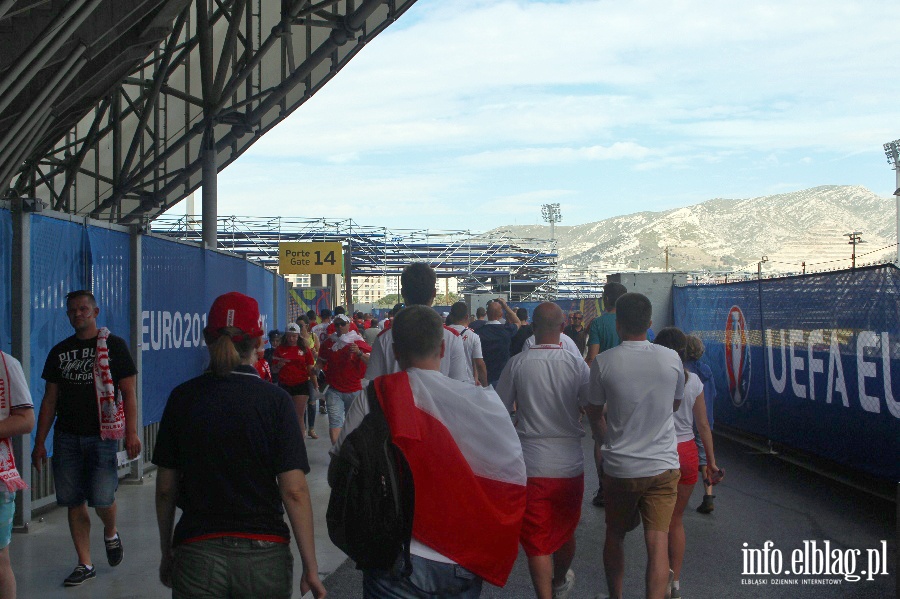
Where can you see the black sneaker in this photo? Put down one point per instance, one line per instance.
(598, 499)
(79, 575)
(707, 506)
(114, 551)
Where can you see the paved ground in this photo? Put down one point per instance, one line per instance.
(761, 499)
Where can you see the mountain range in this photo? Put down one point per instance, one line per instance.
(732, 235)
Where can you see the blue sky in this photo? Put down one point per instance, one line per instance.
(470, 114)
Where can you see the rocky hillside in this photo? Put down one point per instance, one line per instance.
(727, 234)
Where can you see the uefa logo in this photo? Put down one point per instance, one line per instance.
(737, 356)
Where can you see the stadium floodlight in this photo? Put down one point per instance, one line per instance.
(892, 151)
(552, 215)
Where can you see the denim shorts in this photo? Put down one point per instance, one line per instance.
(233, 567)
(338, 403)
(84, 469)
(7, 511)
(429, 579)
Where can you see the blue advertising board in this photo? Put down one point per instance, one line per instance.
(825, 378)
(180, 282)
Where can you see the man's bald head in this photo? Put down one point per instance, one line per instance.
(548, 320)
(494, 310)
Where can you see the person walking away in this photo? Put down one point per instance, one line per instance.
(230, 454)
(603, 336)
(549, 386)
(695, 351)
(525, 331)
(496, 337)
(458, 321)
(467, 468)
(641, 386)
(690, 414)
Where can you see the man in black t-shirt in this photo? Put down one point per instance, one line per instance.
(496, 337)
(84, 450)
(525, 331)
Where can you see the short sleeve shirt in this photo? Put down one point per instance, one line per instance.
(548, 385)
(70, 365)
(229, 438)
(18, 393)
(639, 383)
(345, 369)
(603, 332)
(296, 371)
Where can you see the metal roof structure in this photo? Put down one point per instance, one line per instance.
(496, 262)
(114, 108)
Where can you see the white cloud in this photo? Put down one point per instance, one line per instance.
(463, 101)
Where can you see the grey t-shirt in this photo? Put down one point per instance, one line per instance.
(638, 382)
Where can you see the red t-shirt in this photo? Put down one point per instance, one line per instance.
(345, 369)
(262, 367)
(296, 371)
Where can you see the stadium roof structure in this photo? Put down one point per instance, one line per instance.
(482, 262)
(114, 109)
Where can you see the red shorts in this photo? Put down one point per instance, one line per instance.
(690, 462)
(552, 512)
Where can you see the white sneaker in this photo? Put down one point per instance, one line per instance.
(565, 589)
(669, 584)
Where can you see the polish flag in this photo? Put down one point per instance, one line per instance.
(467, 467)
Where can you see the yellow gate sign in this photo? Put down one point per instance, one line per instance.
(310, 258)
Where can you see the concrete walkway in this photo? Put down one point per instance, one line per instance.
(762, 499)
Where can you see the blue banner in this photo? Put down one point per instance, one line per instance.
(5, 280)
(110, 260)
(58, 265)
(830, 361)
(180, 282)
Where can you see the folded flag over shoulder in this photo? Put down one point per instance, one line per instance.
(467, 468)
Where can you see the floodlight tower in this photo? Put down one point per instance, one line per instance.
(892, 151)
(552, 215)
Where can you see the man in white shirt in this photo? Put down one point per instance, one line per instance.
(641, 385)
(321, 329)
(549, 385)
(565, 342)
(459, 319)
(417, 285)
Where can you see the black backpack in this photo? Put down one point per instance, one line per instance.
(370, 511)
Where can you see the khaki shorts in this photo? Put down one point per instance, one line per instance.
(652, 496)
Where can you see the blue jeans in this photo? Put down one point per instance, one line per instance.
(84, 469)
(429, 580)
(338, 403)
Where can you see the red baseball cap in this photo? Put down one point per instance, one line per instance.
(235, 310)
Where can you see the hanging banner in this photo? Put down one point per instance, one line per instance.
(310, 258)
(825, 377)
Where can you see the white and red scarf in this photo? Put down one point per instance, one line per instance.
(109, 402)
(348, 338)
(467, 468)
(9, 475)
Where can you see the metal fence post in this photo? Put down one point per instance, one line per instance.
(136, 476)
(21, 345)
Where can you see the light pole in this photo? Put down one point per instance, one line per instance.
(759, 266)
(855, 237)
(552, 215)
(892, 151)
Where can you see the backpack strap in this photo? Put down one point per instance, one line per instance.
(401, 568)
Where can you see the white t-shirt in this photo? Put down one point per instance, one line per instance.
(638, 382)
(548, 385)
(684, 417)
(19, 395)
(453, 364)
(321, 330)
(472, 345)
(564, 341)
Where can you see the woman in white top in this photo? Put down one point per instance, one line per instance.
(692, 410)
